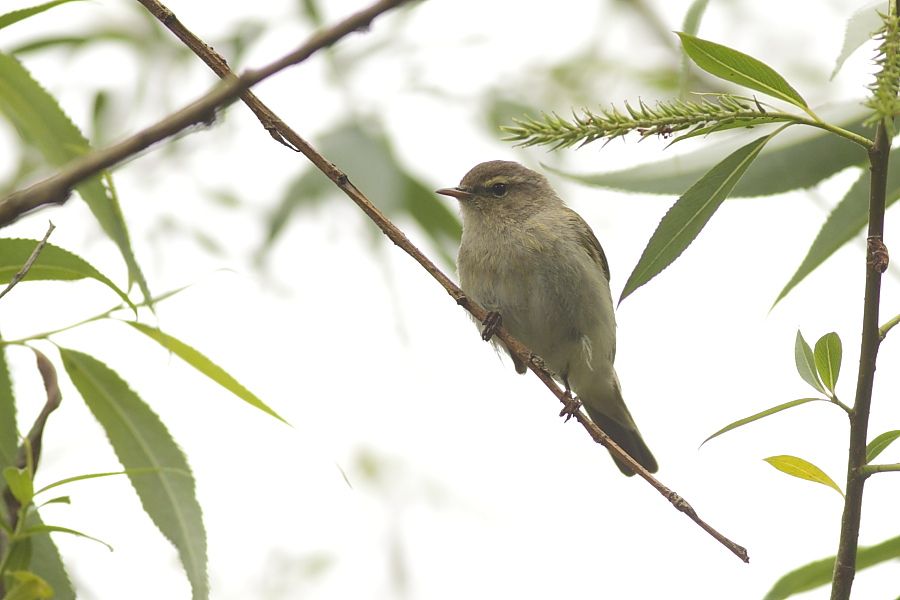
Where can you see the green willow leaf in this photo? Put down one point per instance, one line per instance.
(17, 15)
(742, 69)
(41, 122)
(67, 480)
(141, 441)
(818, 573)
(53, 263)
(802, 469)
(205, 366)
(828, 359)
(20, 484)
(760, 415)
(8, 431)
(690, 213)
(877, 446)
(806, 363)
(847, 220)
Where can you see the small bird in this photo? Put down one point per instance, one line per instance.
(537, 267)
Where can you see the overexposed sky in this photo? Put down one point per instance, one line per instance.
(460, 479)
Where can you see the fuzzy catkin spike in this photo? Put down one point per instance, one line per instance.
(663, 119)
(884, 101)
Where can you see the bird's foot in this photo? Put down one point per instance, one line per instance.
(491, 324)
(571, 404)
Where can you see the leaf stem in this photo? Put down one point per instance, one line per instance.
(870, 469)
(884, 329)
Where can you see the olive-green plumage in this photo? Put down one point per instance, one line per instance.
(533, 260)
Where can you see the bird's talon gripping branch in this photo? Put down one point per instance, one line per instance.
(491, 323)
(571, 404)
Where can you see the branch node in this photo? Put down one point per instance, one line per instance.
(877, 254)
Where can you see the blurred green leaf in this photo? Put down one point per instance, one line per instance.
(819, 573)
(74, 42)
(20, 484)
(44, 559)
(8, 430)
(800, 158)
(828, 359)
(27, 586)
(53, 263)
(693, 16)
(365, 154)
(690, 213)
(760, 415)
(41, 122)
(141, 441)
(806, 363)
(847, 220)
(742, 69)
(877, 446)
(802, 469)
(17, 15)
(860, 27)
(310, 9)
(205, 366)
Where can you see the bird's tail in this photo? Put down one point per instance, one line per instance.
(628, 438)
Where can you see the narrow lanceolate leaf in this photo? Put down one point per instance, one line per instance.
(39, 529)
(205, 366)
(52, 263)
(847, 220)
(818, 573)
(141, 441)
(828, 359)
(690, 214)
(760, 415)
(802, 469)
(42, 123)
(17, 15)
(742, 69)
(8, 431)
(877, 446)
(806, 363)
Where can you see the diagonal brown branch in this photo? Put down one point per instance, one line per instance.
(56, 189)
(275, 125)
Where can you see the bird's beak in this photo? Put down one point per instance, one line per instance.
(457, 192)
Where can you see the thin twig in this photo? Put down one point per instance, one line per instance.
(56, 188)
(28, 263)
(516, 348)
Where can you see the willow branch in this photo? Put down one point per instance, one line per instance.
(886, 468)
(56, 188)
(269, 120)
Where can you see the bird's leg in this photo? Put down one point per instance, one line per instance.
(571, 403)
(491, 323)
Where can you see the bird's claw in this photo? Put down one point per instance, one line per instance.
(571, 404)
(491, 324)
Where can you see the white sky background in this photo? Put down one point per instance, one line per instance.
(481, 490)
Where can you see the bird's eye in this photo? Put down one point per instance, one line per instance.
(498, 189)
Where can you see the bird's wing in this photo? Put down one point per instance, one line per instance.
(588, 240)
